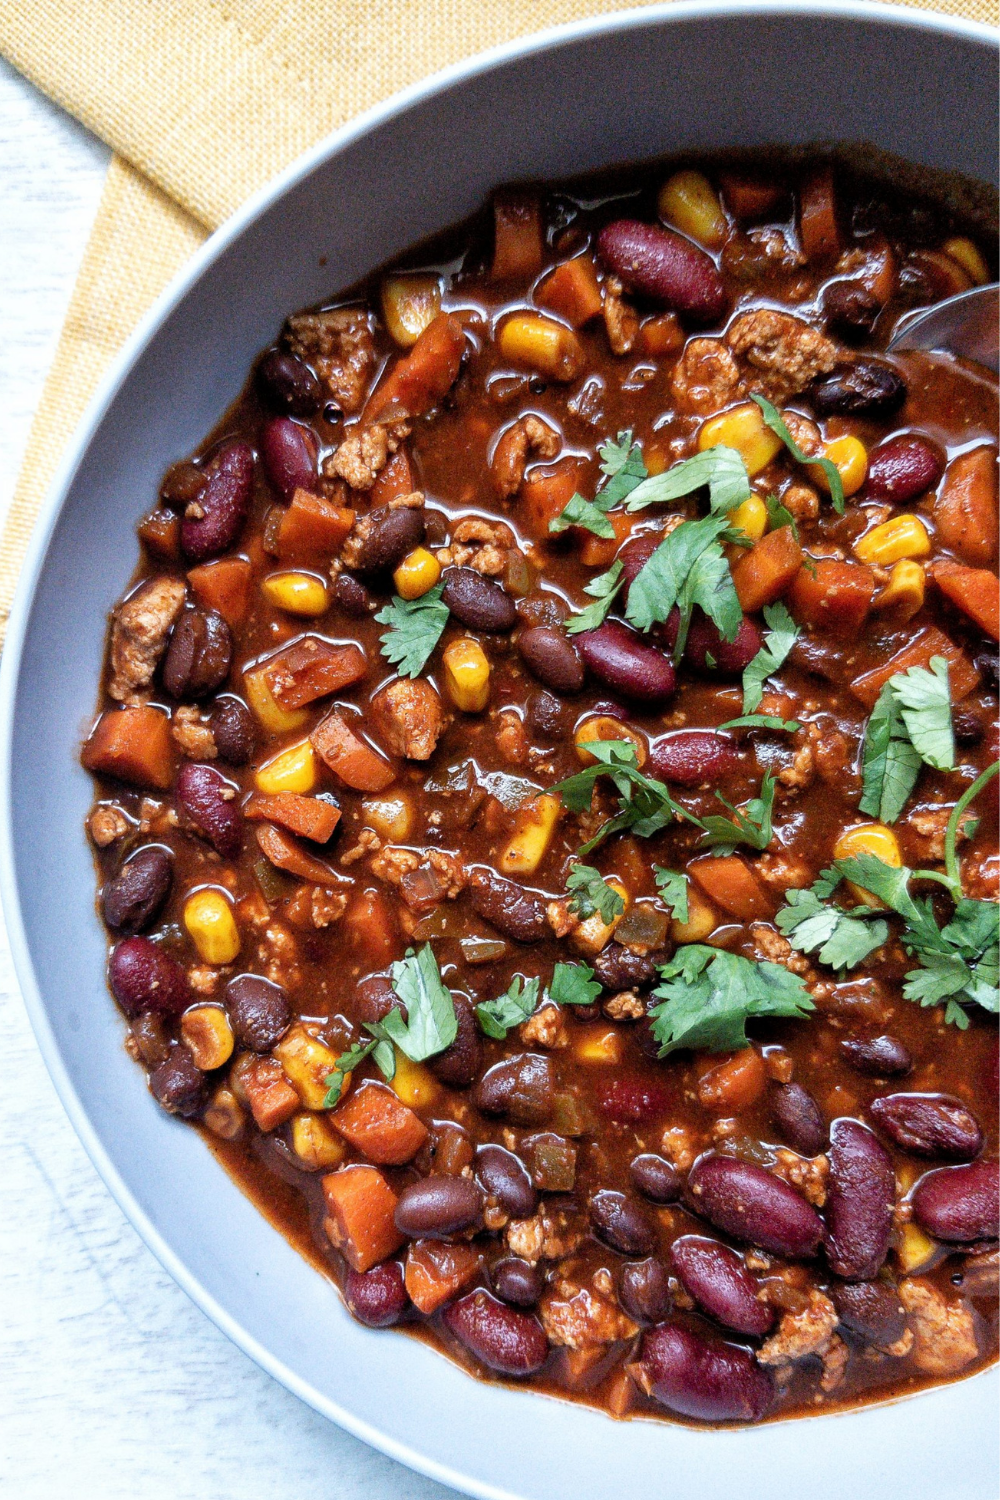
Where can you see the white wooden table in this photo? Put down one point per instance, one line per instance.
(113, 1386)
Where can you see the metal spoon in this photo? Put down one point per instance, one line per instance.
(966, 325)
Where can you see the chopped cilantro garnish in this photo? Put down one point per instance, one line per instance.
(573, 984)
(431, 1023)
(720, 468)
(646, 804)
(591, 893)
(688, 569)
(779, 639)
(603, 589)
(837, 938)
(909, 725)
(415, 627)
(706, 996)
(779, 515)
(345, 1064)
(515, 1005)
(751, 824)
(673, 887)
(774, 420)
(623, 465)
(762, 721)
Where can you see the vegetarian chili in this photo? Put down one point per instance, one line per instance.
(546, 815)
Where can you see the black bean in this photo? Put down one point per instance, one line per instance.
(546, 715)
(377, 1297)
(505, 1178)
(850, 307)
(477, 601)
(390, 536)
(550, 655)
(865, 388)
(458, 1065)
(517, 1281)
(178, 1085)
(520, 1088)
(655, 1177)
(618, 968)
(199, 655)
(287, 383)
(797, 1116)
(234, 731)
(644, 1290)
(134, 898)
(877, 1056)
(352, 596)
(437, 1207)
(259, 1011)
(375, 998)
(621, 1223)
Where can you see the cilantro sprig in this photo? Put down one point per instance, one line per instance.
(646, 805)
(604, 590)
(779, 638)
(590, 894)
(688, 569)
(622, 464)
(774, 420)
(753, 824)
(415, 627)
(570, 984)
(673, 887)
(721, 469)
(909, 726)
(706, 996)
(836, 937)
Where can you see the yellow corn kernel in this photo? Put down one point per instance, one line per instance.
(742, 428)
(688, 201)
(466, 675)
(208, 1036)
(904, 593)
(969, 257)
(915, 1250)
(594, 933)
(409, 304)
(293, 770)
(849, 457)
(417, 573)
(211, 926)
(306, 1062)
(316, 1143)
(224, 1116)
(533, 829)
(599, 1047)
(297, 593)
(541, 344)
(606, 728)
(390, 817)
(414, 1084)
(702, 920)
(869, 838)
(266, 708)
(750, 518)
(903, 536)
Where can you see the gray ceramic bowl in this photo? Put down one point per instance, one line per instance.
(611, 90)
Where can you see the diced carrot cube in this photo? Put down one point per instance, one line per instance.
(161, 533)
(417, 382)
(749, 197)
(285, 853)
(397, 478)
(730, 882)
(360, 1206)
(601, 551)
(965, 511)
(311, 529)
(133, 744)
(728, 1087)
(311, 668)
(271, 1097)
(572, 291)
(517, 246)
(832, 596)
(545, 495)
(309, 817)
(223, 586)
(380, 1125)
(818, 230)
(975, 591)
(765, 572)
(661, 334)
(930, 642)
(369, 922)
(435, 1272)
(356, 763)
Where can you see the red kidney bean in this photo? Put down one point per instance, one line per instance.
(550, 655)
(352, 596)
(959, 1204)
(509, 1341)
(689, 757)
(178, 1085)
(143, 977)
(287, 383)
(903, 468)
(929, 1124)
(618, 968)
(634, 556)
(224, 502)
(866, 388)
(705, 641)
(377, 1298)
(871, 1310)
(655, 1177)
(644, 1290)
(505, 1178)
(621, 1223)
(754, 1206)
(711, 1381)
(517, 1281)
(507, 906)
(259, 1011)
(234, 731)
(715, 1276)
(877, 1056)
(860, 1201)
(630, 1099)
(375, 998)
(132, 900)
(288, 453)
(662, 265)
(459, 1064)
(199, 655)
(520, 1088)
(202, 793)
(437, 1207)
(477, 601)
(391, 535)
(797, 1116)
(625, 663)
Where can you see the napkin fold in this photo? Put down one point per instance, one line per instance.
(203, 101)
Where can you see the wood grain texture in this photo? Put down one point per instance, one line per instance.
(112, 1384)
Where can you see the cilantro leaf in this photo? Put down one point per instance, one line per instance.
(591, 893)
(720, 468)
(624, 466)
(687, 569)
(415, 627)
(646, 804)
(751, 824)
(924, 700)
(515, 1005)
(779, 515)
(589, 515)
(836, 938)
(774, 420)
(346, 1063)
(890, 764)
(431, 1023)
(762, 721)
(604, 589)
(778, 642)
(673, 887)
(573, 984)
(706, 996)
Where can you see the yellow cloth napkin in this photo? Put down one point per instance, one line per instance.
(203, 101)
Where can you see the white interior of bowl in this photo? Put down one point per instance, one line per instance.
(623, 88)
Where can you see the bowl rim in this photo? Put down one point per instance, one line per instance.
(548, 39)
